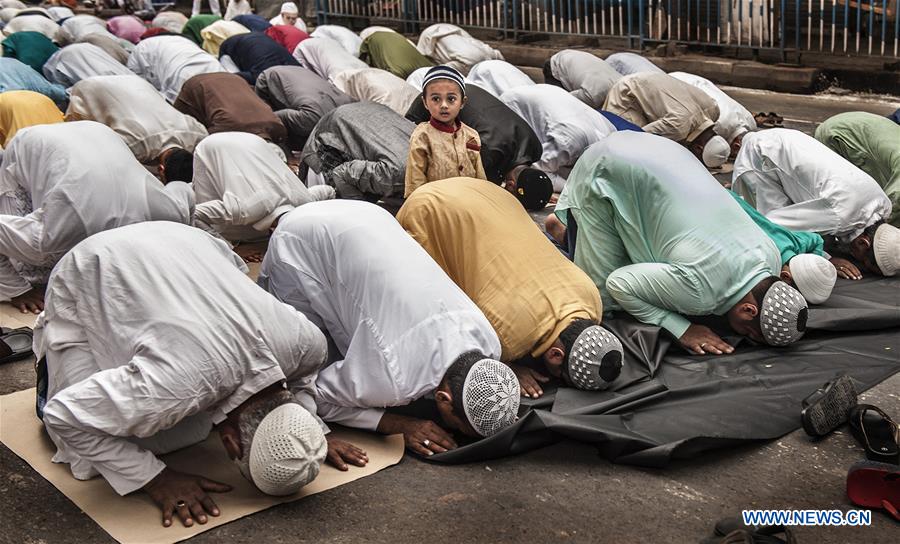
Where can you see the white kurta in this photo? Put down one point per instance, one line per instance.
(396, 317)
(326, 57)
(380, 86)
(137, 112)
(242, 185)
(168, 61)
(75, 29)
(586, 76)
(32, 23)
(171, 21)
(81, 179)
(152, 333)
(800, 184)
(452, 46)
(341, 34)
(565, 125)
(498, 76)
(631, 63)
(79, 61)
(734, 119)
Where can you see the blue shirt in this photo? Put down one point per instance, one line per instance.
(17, 76)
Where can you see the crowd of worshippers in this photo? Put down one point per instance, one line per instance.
(392, 181)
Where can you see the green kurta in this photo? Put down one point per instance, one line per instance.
(31, 48)
(392, 52)
(197, 23)
(659, 235)
(790, 243)
(872, 143)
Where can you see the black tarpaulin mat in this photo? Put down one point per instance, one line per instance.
(669, 405)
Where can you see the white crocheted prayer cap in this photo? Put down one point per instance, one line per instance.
(490, 397)
(287, 450)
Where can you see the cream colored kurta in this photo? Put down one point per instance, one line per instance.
(137, 112)
(20, 109)
(436, 153)
(663, 105)
(489, 246)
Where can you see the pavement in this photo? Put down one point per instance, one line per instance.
(560, 493)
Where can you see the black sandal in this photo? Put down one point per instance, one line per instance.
(733, 531)
(876, 431)
(828, 407)
(15, 344)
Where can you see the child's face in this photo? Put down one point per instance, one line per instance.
(443, 100)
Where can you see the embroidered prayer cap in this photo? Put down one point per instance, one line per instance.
(287, 450)
(533, 188)
(444, 72)
(716, 152)
(490, 397)
(886, 246)
(289, 7)
(596, 359)
(783, 315)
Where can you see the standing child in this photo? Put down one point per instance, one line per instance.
(443, 147)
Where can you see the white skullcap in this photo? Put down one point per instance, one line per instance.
(286, 450)
(814, 277)
(783, 315)
(490, 397)
(289, 7)
(887, 249)
(716, 152)
(596, 359)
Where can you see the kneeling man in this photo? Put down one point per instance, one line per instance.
(667, 262)
(403, 329)
(482, 238)
(196, 345)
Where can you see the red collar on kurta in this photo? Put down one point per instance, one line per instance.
(444, 127)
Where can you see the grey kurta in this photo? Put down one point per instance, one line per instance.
(361, 150)
(300, 98)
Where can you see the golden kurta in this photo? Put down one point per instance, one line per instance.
(436, 152)
(21, 109)
(489, 245)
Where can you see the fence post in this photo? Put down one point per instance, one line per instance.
(641, 23)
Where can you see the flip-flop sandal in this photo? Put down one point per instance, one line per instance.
(15, 344)
(733, 531)
(875, 485)
(776, 119)
(828, 407)
(876, 431)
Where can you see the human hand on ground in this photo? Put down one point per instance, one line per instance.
(530, 381)
(31, 301)
(846, 269)
(184, 494)
(701, 340)
(341, 452)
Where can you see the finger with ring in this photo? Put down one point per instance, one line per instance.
(180, 504)
(703, 344)
(426, 443)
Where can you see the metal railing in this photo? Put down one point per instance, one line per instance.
(840, 27)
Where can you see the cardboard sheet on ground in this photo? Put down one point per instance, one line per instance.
(669, 405)
(12, 318)
(134, 518)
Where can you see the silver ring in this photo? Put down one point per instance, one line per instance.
(180, 504)
(426, 443)
(703, 345)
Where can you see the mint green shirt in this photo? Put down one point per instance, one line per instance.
(872, 143)
(790, 243)
(659, 235)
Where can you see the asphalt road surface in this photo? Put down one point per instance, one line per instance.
(562, 493)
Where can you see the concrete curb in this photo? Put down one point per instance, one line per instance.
(740, 73)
